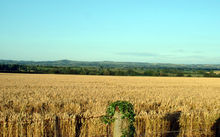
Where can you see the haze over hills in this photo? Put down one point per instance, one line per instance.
(111, 64)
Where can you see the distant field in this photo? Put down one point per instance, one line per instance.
(217, 72)
(40, 104)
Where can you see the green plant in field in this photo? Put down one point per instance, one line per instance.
(127, 111)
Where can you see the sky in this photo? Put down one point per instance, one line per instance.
(154, 31)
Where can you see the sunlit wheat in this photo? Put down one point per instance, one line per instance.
(30, 103)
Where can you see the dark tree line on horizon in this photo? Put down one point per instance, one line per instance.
(114, 71)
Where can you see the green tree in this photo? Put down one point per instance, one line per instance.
(106, 72)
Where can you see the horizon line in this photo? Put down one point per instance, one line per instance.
(107, 61)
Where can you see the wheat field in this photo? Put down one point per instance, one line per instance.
(71, 105)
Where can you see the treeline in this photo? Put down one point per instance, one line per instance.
(100, 70)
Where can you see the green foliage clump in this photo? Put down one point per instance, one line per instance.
(127, 111)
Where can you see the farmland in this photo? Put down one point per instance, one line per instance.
(217, 72)
(71, 105)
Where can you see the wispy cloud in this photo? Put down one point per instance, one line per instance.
(187, 51)
(197, 52)
(180, 51)
(184, 58)
(139, 54)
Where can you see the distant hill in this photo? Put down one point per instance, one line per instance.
(111, 64)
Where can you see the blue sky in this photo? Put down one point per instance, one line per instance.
(158, 31)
